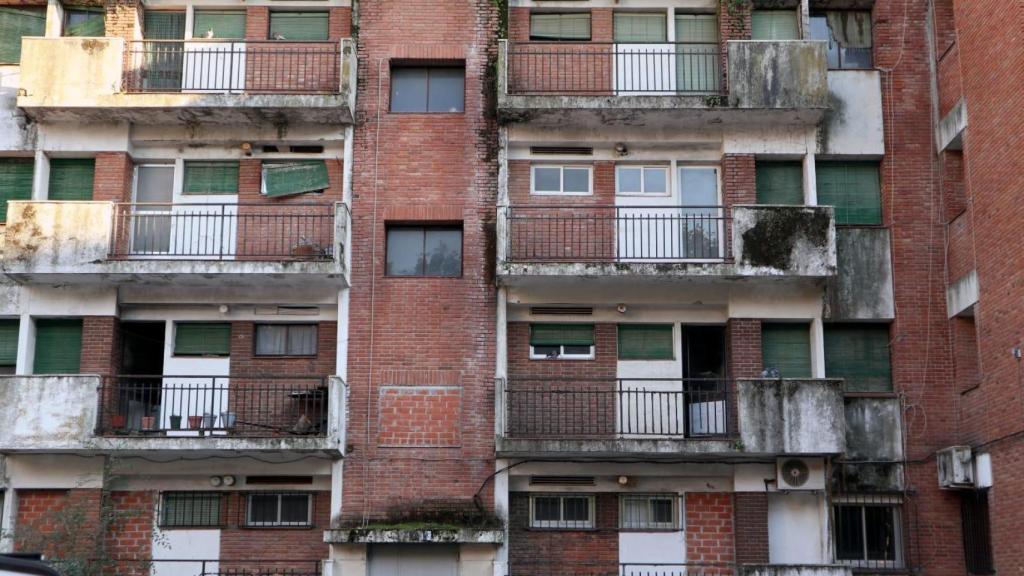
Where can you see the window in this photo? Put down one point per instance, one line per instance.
(639, 27)
(853, 188)
(786, 347)
(562, 341)
(71, 178)
(641, 180)
(698, 66)
(564, 511)
(8, 345)
(163, 25)
(190, 509)
(300, 26)
(424, 251)
(211, 178)
(202, 339)
(780, 183)
(649, 512)
(295, 177)
(645, 342)
(15, 178)
(848, 34)
(84, 22)
(218, 24)
(868, 533)
(563, 26)
(16, 23)
(286, 339)
(433, 89)
(265, 510)
(774, 25)
(58, 346)
(860, 354)
(977, 532)
(560, 180)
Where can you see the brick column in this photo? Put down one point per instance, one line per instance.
(709, 530)
(257, 22)
(339, 24)
(113, 179)
(101, 345)
(123, 18)
(750, 511)
(732, 25)
(743, 337)
(739, 186)
(601, 25)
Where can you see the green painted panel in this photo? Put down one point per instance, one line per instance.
(218, 24)
(58, 346)
(202, 339)
(787, 348)
(16, 23)
(645, 342)
(287, 178)
(15, 182)
(780, 183)
(8, 342)
(639, 27)
(561, 334)
(89, 22)
(300, 26)
(774, 25)
(159, 25)
(560, 26)
(853, 188)
(71, 178)
(860, 354)
(211, 178)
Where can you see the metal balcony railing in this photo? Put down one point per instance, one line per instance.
(597, 568)
(223, 231)
(538, 408)
(614, 69)
(598, 233)
(189, 567)
(233, 66)
(249, 406)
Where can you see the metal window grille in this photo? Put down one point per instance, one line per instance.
(191, 509)
(562, 511)
(977, 532)
(279, 510)
(868, 530)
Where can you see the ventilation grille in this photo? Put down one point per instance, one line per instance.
(561, 480)
(278, 480)
(297, 149)
(561, 150)
(561, 310)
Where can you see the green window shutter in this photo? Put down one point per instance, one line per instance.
(645, 342)
(566, 26)
(8, 342)
(639, 27)
(202, 339)
(774, 25)
(298, 26)
(700, 28)
(71, 178)
(860, 354)
(287, 178)
(15, 182)
(221, 23)
(211, 178)
(780, 183)
(561, 334)
(163, 25)
(853, 188)
(16, 23)
(58, 346)
(88, 22)
(787, 348)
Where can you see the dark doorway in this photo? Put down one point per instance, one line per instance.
(704, 374)
(142, 362)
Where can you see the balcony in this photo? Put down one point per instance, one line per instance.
(791, 416)
(711, 242)
(192, 567)
(668, 84)
(197, 244)
(597, 568)
(156, 82)
(88, 412)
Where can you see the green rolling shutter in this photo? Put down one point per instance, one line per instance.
(222, 24)
(565, 26)
(645, 342)
(71, 178)
(285, 179)
(58, 346)
(88, 22)
(639, 27)
(860, 354)
(163, 25)
(16, 23)
(8, 342)
(15, 182)
(774, 25)
(780, 183)
(561, 334)
(853, 188)
(202, 339)
(211, 178)
(300, 26)
(787, 347)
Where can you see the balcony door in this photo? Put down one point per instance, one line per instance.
(215, 60)
(138, 388)
(161, 60)
(645, 62)
(697, 53)
(704, 373)
(150, 214)
(701, 229)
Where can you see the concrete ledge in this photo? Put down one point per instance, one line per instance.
(794, 570)
(949, 133)
(405, 536)
(648, 447)
(962, 294)
(47, 413)
(792, 416)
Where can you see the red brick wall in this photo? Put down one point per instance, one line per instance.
(519, 184)
(101, 345)
(960, 251)
(541, 552)
(709, 529)
(601, 27)
(965, 352)
(112, 180)
(257, 23)
(121, 18)
(603, 366)
(422, 331)
(413, 416)
(244, 361)
(732, 26)
(63, 522)
(954, 190)
(739, 186)
(130, 536)
(751, 521)
(292, 66)
(238, 543)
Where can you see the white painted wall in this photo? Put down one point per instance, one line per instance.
(15, 135)
(796, 528)
(184, 545)
(646, 550)
(854, 125)
(29, 471)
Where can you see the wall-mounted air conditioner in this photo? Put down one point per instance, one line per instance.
(956, 467)
(800, 473)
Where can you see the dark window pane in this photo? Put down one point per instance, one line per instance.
(977, 532)
(849, 533)
(447, 89)
(270, 339)
(577, 180)
(881, 532)
(575, 509)
(409, 90)
(443, 252)
(546, 350)
(295, 509)
(547, 179)
(262, 508)
(576, 350)
(546, 509)
(405, 252)
(661, 510)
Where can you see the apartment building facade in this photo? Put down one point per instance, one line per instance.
(534, 287)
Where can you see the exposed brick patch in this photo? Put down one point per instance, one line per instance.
(112, 180)
(130, 534)
(537, 552)
(965, 352)
(101, 345)
(751, 521)
(238, 543)
(419, 416)
(709, 528)
(61, 522)
(123, 18)
(739, 179)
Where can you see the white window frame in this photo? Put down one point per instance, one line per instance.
(895, 505)
(673, 525)
(249, 522)
(643, 180)
(562, 168)
(562, 354)
(563, 524)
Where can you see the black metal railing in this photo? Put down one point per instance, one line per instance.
(252, 406)
(597, 568)
(607, 68)
(616, 408)
(225, 66)
(223, 231)
(601, 233)
(188, 567)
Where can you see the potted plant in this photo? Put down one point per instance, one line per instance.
(118, 421)
(148, 422)
(195, 422)
(227, 419)
(175, 421)
(209, 420)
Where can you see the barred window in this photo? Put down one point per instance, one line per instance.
(190, 509)
(279, 509)
(564, 511)
(649, 512)
(868, 531)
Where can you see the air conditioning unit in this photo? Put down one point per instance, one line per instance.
(800, 474)
(956, 467)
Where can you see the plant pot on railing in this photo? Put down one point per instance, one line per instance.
(209, 420)
(118, 421)
(195, 422)
(175, 422)
(227, 420)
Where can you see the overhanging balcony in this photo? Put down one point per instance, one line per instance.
(104, 242)
(173, 81)
(667, 84)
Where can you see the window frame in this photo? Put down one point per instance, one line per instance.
(674, 525)
(428, 68)
(562, 355)
(66, 19)
(425, 228)
(311, 10)
(562, 523)
(643, 193)
(561, 179)
(222, 12)
(590, 26)
(186, 164)
(174, 340)
(288, 326)
(830, 41)
(895, 506)
(628, 325)
(162, 511)
(792, 12)
(40, 11)
(279, 524)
